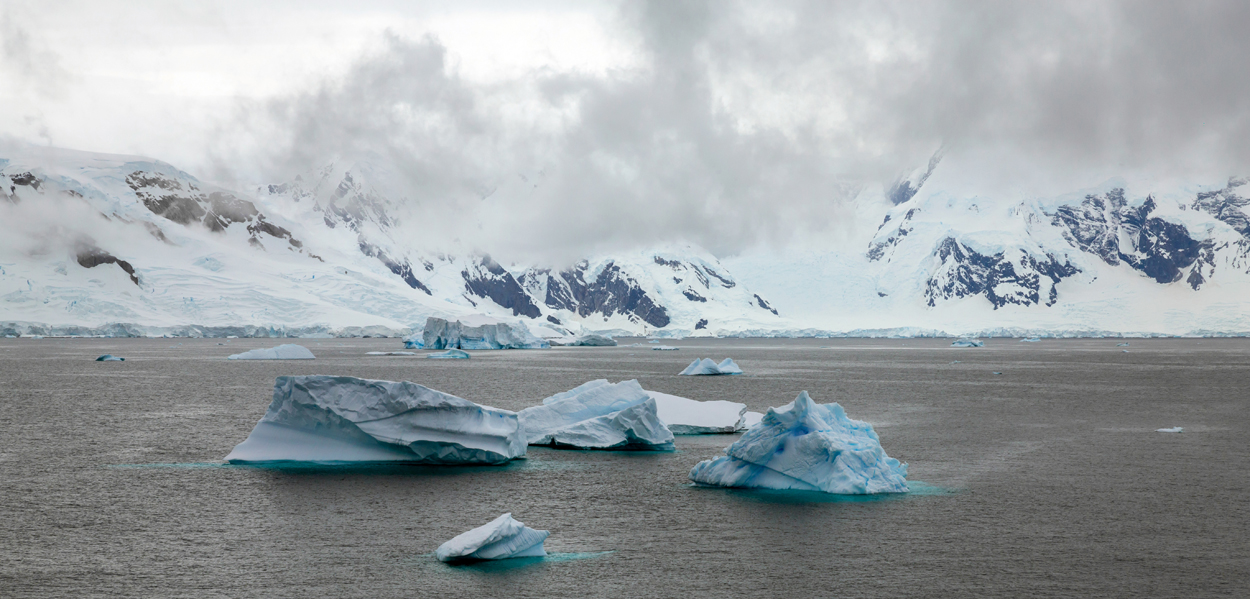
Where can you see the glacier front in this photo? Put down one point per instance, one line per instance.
(501, 538)
(286, 351)
(689, 417)
(598, 415)
(341, 419)
(806, 446)
(707, 367)
(479, 332)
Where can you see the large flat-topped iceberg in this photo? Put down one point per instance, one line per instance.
(479, 332)
(501, 538)
(342, 419)
(288, 351)
(689, 417)
(598, 415)
(707, 367)
(808, 447)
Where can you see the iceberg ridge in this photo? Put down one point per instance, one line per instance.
(501, 538)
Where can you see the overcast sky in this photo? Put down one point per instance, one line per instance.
(723, 123)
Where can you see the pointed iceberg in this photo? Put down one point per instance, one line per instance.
(502, 538)
(479, 332)
(808, 447)
(598, 415)
(288, 351)
(341, 419)
(707, 366)
(689, 417)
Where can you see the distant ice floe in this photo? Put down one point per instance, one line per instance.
(689, 417)
(707, 367)
(501, 538)
(1125, 344)
(288, 351)
(451, 354)
(665, 348)
(809, 447)
(968, 343)
(1030, 340)
(479, 332)
(1175, 429)
(340, 419)
(598, 415)
(390, 353)
(109, 358)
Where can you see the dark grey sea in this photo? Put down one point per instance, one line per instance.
(1036, 470)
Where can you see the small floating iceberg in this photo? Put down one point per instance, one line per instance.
(479, 332)
(502, 538)
(109, 358)
(707, 367)
(1030, 340)
(689, 417)
(288, 351)
(451, 354)
(665, 348)
(598, 415)
(806, 446)
(414, 342)
(1125, 344)
(593, 341)
(390, 353)
(341, 419)
(968, 343)
(1175, 429)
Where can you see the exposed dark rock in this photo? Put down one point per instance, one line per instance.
(89, 256)
(763, 304)
(702, 324)
(1000, 279)
(553, 320)
(25, 179)
(487, 279)
(692, 296)
(402, 269)
(611, 292)
(877, 250)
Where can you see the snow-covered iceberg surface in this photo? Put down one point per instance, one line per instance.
(502, 538)
(109, 358)
(1175, 429)
(689, 417)
(967, 343)
(451, 354)
(598, 415)
(707, 366)
(481, 332)
(809, 447)
(750, 419)
(342, 419)
(288, 351)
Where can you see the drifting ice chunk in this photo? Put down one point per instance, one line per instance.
(750, 419)
(414, 342)
(968, 343)
(664, 348)
(338, 419)
(594, 341)
(598, 415)
(390, 353)
(707, 366)
(479, 333)
(1125, 344)
(810, 447)
(109, 358)
(502, 538)
(689, 417)
(654, 341)
(451, 354)
(1175, 429)
(1030, 340)
(289, 351)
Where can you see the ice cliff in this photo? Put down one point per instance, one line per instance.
(809, 447)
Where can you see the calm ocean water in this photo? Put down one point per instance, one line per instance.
(1046, 480)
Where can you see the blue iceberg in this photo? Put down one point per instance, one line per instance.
(598, 415)
(451, 354)
(479, 332)
(341, 419)
(707, 367)
(806, 446)
(109, 358)
(968, 343)
(501, 538)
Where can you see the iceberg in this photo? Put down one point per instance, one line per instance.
(288, 351)
(809, 447)
(707, 366)
(598, 415)
(451, 354)
(664, 348)
(594, 341)
(390, 353)
(414, 342)
(501, 538)
(1030, 340)
(479, 333)
(1175, 429)
(109, 358)
(689, 417)
(341, 419)
(968, 343)
(750, 419)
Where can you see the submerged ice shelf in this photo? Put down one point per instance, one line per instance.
(287, 351)
(598, 415)
(340, 419)
(501, 538)
(806, 446)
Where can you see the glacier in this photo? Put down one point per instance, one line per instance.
(598, 415)
(808, 447)
(479, 332)
(451, 354)
(685, 416)
(501, 538)
(109, 358)
(286, 351)
(707, 367)
(341, 419)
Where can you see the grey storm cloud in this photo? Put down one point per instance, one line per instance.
(746, 123)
